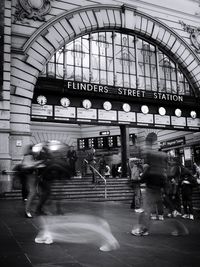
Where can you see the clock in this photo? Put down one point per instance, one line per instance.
(42, 100)
(107, 105)
(162, 111)
(86, 103)
(126, 107)
(65, 102)
(145, 109)
(193, 114)
(178, 112)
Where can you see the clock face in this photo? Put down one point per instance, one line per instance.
(65, 102)
(178, 112)
(126, 107)
(87, 103)
(107, 105)
(162, 111)
(42, 100)
(193, 114)
(145, 109)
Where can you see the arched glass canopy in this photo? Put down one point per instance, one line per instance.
(117, 59)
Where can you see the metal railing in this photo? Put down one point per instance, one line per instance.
(99, 174)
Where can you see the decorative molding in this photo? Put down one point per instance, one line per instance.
(32, 9)
(194, 35)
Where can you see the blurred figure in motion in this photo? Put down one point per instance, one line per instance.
(77, 228)
(91, 160)
(55, 167)
(154, 175)
(29, 168)
(171, 196)
(102, 165)
(187, 183)
(135, 171)
(72, 157)
(20, 175)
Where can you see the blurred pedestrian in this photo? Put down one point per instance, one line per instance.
(29, 167)
(102, 165)
(20, 177)
(135, 171)
(154, 175)
(72, 157)
(91, 159)
(187, 183)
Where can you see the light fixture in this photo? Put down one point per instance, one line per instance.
(65, 102)
(107, 105)
(145, 109)
(193, 114)
(178, 112)
(162, 111)
(42, 100)
(126, 107)
(86, 103)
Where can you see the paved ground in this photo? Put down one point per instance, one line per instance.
(160, 249)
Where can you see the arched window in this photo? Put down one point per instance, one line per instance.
(120, 60)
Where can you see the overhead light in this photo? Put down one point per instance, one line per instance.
(178, 112)
(193, 114)
(162, 111)
(145, 109)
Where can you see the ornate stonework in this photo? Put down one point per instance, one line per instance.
(32, 9)
(194, 35)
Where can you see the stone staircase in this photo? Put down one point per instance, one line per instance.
(118, 189)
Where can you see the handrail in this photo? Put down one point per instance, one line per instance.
(101, 176)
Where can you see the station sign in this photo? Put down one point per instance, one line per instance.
(103, 90)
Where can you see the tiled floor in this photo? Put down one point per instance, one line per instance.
(159, 249)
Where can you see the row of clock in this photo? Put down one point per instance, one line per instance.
(87, 104)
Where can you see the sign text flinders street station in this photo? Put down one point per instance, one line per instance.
(132, 93)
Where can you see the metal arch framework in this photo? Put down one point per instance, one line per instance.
(70, 25)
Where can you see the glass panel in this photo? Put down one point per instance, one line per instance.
(103, 77)
(69, 73)
(103, 63)
(74, 59)
(59, 71)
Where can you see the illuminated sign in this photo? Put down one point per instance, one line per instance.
(120, 91)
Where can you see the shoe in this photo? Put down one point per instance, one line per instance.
(139, 232)
(45, 239)
(175, 233)
(191, 217)
(139, 210)
(175, 213)
(153, 217)
(28, 214)
(185, 216)
(24, 199)
(160, 217)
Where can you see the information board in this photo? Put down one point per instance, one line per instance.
(110, 115)
(163, 120)
(144, 118)
(38, 110)
(180, 121)
(69, 112)
(83, 113)
(126, 116)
